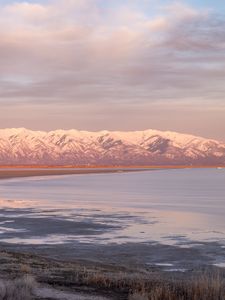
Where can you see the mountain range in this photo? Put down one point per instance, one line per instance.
(20, 146)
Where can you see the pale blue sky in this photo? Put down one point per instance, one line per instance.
(117, 65)
(212, 4)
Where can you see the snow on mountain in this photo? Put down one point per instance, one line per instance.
(73, 147)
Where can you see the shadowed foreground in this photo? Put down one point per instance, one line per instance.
(42, 278)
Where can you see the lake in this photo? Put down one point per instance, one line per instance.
(183, 209)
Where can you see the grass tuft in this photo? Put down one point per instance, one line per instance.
(18, 289)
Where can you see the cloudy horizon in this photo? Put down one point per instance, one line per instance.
(115, 65)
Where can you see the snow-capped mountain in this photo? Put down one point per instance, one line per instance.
(73, 147)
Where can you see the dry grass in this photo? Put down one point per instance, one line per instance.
(19, 289)
(25, 269)
(117, 281)
(208, 285)
(203, 287)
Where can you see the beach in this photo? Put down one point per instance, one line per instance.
(6, 173)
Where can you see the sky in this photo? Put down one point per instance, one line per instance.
(113, 64)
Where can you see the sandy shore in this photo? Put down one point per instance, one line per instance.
(23, 171)
(14, 173)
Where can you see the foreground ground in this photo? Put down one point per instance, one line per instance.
(43, 278)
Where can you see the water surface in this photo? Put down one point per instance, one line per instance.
(183, 208)
(164, 205)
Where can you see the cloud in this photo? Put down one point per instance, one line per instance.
(84, 52)
(26, 13)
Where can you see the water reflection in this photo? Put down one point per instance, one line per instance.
(176, 207)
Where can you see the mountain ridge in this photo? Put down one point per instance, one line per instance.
(106, 131)
(21, 146)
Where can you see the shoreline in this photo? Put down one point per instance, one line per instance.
(9, 172)
(132, 270)
(97, 167)
(25, 172)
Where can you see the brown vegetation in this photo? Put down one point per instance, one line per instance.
(204, 287)
(18, 289)
(115, 282)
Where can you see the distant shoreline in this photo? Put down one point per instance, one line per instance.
(8, 172)
(76, 167)
(25, 172)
